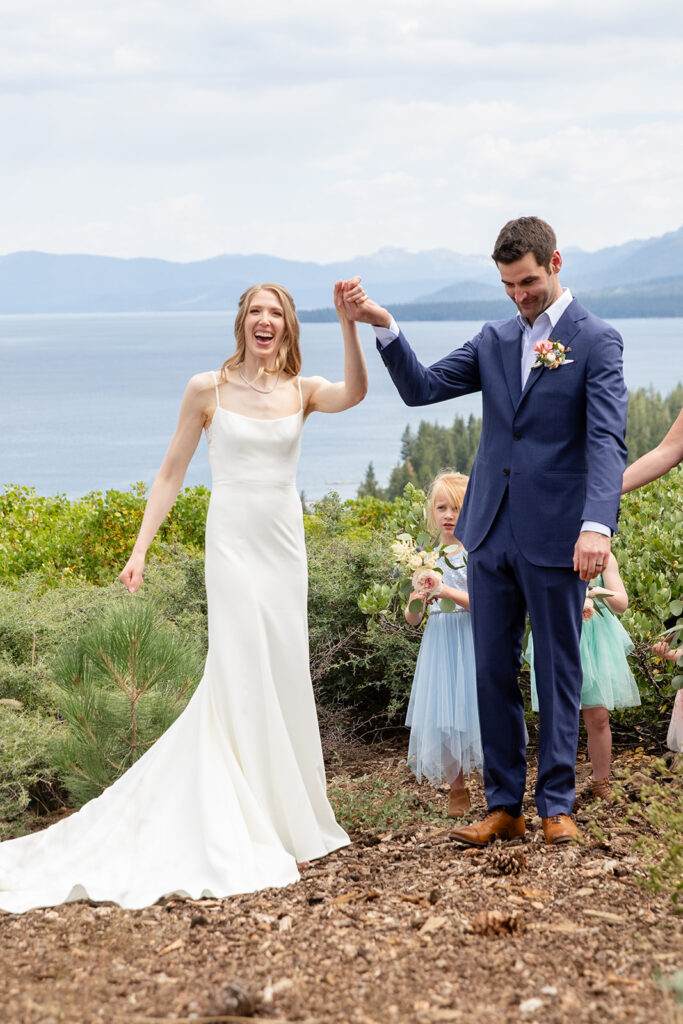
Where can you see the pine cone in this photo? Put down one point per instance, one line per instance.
(506, 862)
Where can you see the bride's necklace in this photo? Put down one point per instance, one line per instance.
(261, 391)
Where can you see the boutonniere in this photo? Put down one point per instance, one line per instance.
(551, 354)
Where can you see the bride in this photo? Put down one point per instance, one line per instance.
(233, 795)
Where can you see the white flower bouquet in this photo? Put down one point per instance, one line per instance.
(416, 556)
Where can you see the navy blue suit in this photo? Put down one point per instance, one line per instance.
(550, 456)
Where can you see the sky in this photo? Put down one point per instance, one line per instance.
(322, 131)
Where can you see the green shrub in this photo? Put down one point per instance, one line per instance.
(649, 549)
(121, 685)
(373, 804)
(89, 538)
(660, 804)
(366, 666)
(25, 764)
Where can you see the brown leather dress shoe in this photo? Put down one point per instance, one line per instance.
(458, 803)
(496, 825)
(559, 829)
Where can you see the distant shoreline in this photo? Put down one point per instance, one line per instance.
(621, 307)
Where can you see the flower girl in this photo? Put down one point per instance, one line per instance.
(442, 714)
(608, 682)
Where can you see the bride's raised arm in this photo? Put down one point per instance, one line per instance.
(324, 396)
(169, 479)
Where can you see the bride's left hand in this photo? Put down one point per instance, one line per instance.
(131, 575)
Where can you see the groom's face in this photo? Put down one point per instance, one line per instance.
(531, 288)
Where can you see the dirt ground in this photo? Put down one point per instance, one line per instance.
(404, 926)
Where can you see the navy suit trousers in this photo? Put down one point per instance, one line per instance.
(503, 586)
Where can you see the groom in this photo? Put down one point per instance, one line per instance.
(540, 508)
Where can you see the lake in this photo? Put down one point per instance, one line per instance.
(89, 402)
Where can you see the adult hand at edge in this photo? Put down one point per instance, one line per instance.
(591, 554)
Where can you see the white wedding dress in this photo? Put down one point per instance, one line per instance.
(233, 794)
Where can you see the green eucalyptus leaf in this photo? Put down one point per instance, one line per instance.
(676, 608)
(677, 682)
(415, 606)
(447, 604)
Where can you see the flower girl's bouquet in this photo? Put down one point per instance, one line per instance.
(416, 554)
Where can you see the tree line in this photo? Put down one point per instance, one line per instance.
(431, 448)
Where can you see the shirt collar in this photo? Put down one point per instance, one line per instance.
(553, 312)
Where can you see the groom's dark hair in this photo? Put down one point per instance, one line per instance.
(526, 234)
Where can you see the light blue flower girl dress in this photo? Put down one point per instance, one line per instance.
(442, 713)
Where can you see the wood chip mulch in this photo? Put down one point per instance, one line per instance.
(405, 926)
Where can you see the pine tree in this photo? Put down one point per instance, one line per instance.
(370, 487)
(121, 685)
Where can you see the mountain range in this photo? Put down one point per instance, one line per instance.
(638, 278)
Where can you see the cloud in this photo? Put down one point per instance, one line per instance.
(320, 131)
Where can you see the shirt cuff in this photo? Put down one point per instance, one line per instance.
(385, 335)
(596, 528)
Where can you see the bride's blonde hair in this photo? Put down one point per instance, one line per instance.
(453, 485)
(288, 359)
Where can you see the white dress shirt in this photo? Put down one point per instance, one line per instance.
(541, 328)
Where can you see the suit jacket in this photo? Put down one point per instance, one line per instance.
(557, 446)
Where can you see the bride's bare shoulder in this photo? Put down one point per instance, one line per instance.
(201, 382)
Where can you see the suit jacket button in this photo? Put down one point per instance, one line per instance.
(506, 472)
(517, 437)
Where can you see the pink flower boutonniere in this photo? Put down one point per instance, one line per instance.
(551, 354)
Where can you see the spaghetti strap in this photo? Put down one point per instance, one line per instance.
(215, 383)
(301, 397)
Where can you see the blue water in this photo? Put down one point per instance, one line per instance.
(89, 402)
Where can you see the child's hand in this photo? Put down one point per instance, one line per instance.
(662, 650)
(588, 609)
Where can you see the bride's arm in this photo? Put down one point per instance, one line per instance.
(659, 461)
(170, 477)
(323, 396)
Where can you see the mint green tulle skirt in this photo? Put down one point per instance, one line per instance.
(607, 678)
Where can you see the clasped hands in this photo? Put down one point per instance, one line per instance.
(352, 301)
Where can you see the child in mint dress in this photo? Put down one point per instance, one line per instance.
(608, 682)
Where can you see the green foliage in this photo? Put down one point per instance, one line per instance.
(660, 804)
(427, 453)
(649, 549)
(25, 766)
(89, 538)
(373, 804)
(122, 684)
(367, 669)
(649, 417)
(38, 619)
(369, 487)
(673, 984)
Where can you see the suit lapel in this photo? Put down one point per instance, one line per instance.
(509, 339)
(564, 330)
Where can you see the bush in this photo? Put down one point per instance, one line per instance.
(366, 666)
(660, 805)
(122, 684)
(37, 619)
(25, 766)
(649, 549)
(90, 538)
